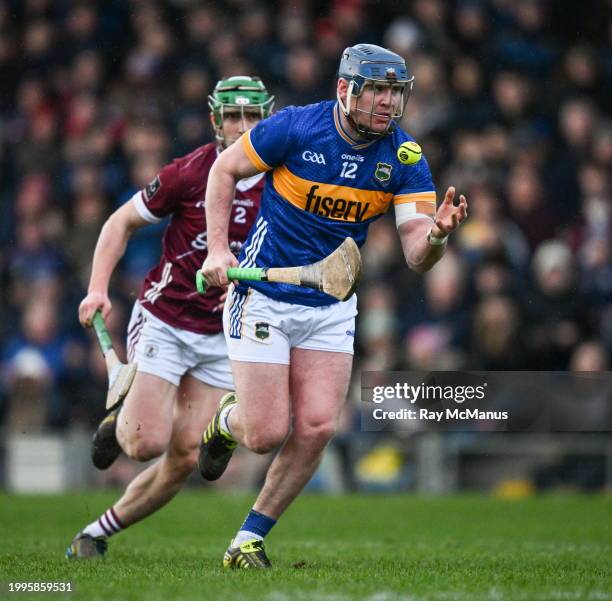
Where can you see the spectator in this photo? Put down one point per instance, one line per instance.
(589, 356)
(558, 313)
(528, 205)
(497, 344)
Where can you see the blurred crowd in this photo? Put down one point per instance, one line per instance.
(511, 105)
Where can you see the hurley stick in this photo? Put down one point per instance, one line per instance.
(337, 274)
(120, 375)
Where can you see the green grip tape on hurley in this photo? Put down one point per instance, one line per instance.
(104, 338)
(256, 274)
(200, 282)
(246, 273)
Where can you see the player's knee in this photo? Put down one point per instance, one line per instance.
(265, 440)
(315, 434)
(142, 447)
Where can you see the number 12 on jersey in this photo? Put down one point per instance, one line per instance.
(348, 170)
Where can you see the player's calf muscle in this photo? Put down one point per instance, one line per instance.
(180, 463)
(183, 451)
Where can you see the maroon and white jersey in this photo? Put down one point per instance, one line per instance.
(169, 290)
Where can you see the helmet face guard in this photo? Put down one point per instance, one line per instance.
(238, 94)
(369, 67)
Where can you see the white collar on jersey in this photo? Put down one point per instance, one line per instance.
(248, 182)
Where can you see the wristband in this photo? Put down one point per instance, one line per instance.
(434, 241)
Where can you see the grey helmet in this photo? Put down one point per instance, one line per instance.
(367, 64)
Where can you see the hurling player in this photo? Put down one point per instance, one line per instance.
(174, 335)
(332, 169)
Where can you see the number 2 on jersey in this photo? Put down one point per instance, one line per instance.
(240, 216)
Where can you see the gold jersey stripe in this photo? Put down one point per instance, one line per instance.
(328, 200)
(426, 207)
(423, 196)
(255, 159)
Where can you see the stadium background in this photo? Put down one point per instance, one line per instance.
(511, 105)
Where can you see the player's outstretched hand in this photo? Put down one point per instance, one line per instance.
(216, 265)
(448, 216)
(90, 304)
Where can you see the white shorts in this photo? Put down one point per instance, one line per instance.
(263, 330)
(170, 353)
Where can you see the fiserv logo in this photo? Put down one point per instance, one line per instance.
(335, 208)
(314, 157)
(329, 200)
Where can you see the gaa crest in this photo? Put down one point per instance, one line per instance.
(383, 172)
(262, 330)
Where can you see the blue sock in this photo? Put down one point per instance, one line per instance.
(256, 526)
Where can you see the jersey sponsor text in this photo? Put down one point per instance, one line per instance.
(335, 208)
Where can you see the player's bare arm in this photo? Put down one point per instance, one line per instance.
(419, 236)
(232, 165)
(110, 247)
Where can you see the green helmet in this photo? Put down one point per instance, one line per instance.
(239, 92)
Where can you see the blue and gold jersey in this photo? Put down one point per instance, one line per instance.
(321, 187)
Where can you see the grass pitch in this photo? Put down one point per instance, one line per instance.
(366, 548)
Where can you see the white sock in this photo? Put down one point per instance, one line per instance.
(106, 525)
(243, 536)
(224, 420)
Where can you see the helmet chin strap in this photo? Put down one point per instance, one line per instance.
(362, 130)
